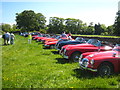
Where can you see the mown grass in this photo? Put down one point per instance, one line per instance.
(31, 66)
(96, 36)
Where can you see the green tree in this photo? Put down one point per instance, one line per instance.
(28, 20)
(90, 29)
(73, 25)
(83, 28)
(117, 24)
(99, 29)
(14, 28)
(56, 25)
(110, 30)
(40, 21)
(6, 28)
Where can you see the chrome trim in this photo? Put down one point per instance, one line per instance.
(80, 58)
(46, 45)
(66, 57)
(93, 70)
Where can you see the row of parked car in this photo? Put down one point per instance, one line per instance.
(92, 54)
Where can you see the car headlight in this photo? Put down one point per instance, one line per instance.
(92, 61)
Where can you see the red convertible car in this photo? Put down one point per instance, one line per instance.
(51, 44)
(72, 52)
(104, 63)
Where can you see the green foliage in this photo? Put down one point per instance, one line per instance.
(9, 28)
(100, 28)
(6, 27)
(105, 33)
(110, 30)
(30, 66)
(28, 20)
(43, 31)
(73, 25)
(117, 24)
(56, 25)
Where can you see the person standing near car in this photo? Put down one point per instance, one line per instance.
(63, 35)
(29, 38)
(69, 36)
(12, 37)
(6, 38)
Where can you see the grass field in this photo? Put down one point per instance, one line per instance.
(96, 36)
(31, 66)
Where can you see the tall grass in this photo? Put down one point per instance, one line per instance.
(31, 66)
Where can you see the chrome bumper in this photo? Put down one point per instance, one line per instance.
(93, 70)
(64, 56)
(46, 45)
(57, 48)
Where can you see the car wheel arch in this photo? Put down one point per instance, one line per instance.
(71, 59)
(52, 46)
(106, 63)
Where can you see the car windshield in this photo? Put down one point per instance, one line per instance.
(117, 47)
(40, 35)
(94, 42)
(79, 39)
(58, 37)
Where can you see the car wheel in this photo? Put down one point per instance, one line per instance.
(51, 46)
(105, 69)
(75, 57)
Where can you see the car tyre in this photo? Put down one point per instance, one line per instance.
(75, 57)
(51, 46)
(105, 69)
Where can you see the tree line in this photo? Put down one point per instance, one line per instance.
(28, 21)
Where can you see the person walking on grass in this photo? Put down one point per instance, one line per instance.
(29, 38)
(6, 38)
(12, 37)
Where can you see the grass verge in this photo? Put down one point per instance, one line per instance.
(31, 66)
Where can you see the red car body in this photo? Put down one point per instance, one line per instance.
(51, 44)
(39, 38)
(104, 63)
(73, 52)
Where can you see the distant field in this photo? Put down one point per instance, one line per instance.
(97, 36)
(31, 66)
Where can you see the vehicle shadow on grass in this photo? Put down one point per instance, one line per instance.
(46, 48)
(83, 74)
(61, 61)
(55, 52)
(79, 73)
